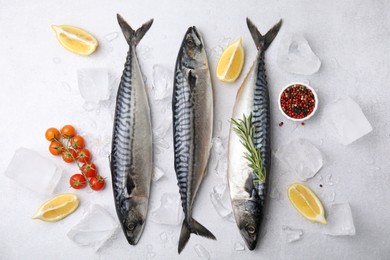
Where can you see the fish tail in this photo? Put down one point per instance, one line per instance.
(133, 37)
(195, 228)
(260, 40)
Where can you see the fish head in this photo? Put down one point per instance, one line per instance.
(248, 218)
(133, 225)
(192, 53)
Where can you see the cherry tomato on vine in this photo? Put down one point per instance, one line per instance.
(77, 142)
(77, 181)
(97, 182)
(84, 156)
(56, 148)
(89, 169)
(69, 155)
(52, 134)
(68, 131)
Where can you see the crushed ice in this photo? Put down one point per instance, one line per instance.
(291, 234)
(202, 252)
(221, 200)
(169, 212)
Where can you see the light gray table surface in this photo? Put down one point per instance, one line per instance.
(39, 89)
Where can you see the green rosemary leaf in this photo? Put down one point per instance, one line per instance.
(245, 131)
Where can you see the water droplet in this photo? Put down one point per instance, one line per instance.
(202, 252)
(111, 36)
(239, 246)
(329, 180)
(164, 237)
(66, 86)
(56, 60)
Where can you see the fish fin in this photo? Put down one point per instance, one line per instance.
(249, 184)
(260, 40)
(196, 228)
(133, 37)
(184, 236)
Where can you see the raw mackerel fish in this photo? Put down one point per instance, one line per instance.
(192, 107)
(247, 193)
(131, 155)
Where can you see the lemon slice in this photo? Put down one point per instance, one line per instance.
(306, 202)
(57, 208)
(75, 39)
(231, 62)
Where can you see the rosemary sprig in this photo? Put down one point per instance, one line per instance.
(246, 131)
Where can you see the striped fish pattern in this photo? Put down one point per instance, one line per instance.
(192, 109)
(131, 153)
(247, 194)
(261, 122)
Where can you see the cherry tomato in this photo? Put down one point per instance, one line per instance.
(56, 148)
(68, 131)
(77, 142)
(69, 155)
(77, 181)
(97, 182)
(52, 134)
(84, 156)
(89, 169)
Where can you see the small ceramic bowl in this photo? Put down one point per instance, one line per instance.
(315, 102)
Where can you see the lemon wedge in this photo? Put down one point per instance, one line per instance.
(231, 62)
(57, 208)
(75, 39)
(306, 202)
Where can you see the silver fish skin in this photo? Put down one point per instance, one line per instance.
(131, 155)
(247, 193)
(192, 107)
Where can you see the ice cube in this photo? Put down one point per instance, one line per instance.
(111, 36)
(201, 252)
(162, 82)
(95, 227)
(301, 157)
(157, 174)
(221, 201)
(346, 120)
(218, 158)
(169, 212)
(31, 170)
(340, 221)
(239, 246)
(291, 234)
(296, 56)
(94, 86)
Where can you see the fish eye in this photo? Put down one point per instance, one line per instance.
(251, 229)
(131, 226)
(190, 41)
